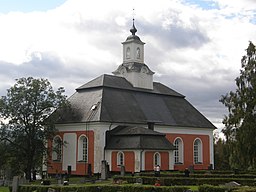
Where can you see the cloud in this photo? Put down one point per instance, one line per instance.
(193, 48)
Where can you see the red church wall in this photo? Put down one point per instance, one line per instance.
(149, 160)
(188, 143)
(81, 167)
(129, 161)
(164, 160)
(149, 164)
(54, 167)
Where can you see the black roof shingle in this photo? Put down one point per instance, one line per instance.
(115, 100)
(128, 137)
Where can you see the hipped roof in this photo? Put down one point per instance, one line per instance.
(128, 137)
(113, 99)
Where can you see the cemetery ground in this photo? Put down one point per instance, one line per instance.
(169, 181)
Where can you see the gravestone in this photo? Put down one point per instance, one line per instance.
(89, 170)
(122, 170)
(51, 190)
(139, 181)
(191, 169)
(232, 184)
(104, 170)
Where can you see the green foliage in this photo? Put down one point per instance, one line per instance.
(221, 155)
(245, 189)
(102, 188)
(182, 181)
(25, 108)
(211, 174)
(4, 189)
(210, 188)
(240, 123)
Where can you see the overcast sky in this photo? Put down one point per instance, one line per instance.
(193, 46)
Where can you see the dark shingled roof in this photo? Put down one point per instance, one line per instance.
(113, 99)
(128, 137)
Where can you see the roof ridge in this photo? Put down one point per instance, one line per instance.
(110, 81)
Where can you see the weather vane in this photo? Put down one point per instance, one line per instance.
(133, 14)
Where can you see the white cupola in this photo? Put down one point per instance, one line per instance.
(133, 68)
(133, 48)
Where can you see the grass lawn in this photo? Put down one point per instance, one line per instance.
(4, 189)
(193, 188)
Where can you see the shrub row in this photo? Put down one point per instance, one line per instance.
(210, 188)
(240, 172)
(206, 175)
(102, 188)
(169, 181)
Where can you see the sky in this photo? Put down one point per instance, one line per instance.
(193, 46)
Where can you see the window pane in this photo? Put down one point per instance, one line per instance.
(196, 151)
(84, 149)
(120, 158)
(157, 159)
(176, 151)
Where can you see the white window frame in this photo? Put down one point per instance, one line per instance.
(157, 159)
(198, 151)
(83, 150)
(178, 152)
(120, 158)
(138, 53)
(128, 53)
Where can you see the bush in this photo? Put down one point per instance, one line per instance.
(210, 188)
(205, 175)
(103, 188)
(169, 181)
(245, 189)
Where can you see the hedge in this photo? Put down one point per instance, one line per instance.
(206, 175)
(169, 181)
(102, 188)
(245, 189)
(210, 188)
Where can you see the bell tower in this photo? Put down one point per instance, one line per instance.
(133, 48)
(133, 68)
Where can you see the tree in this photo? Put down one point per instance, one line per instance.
(240, 123)
(25, 108)
(221, 158)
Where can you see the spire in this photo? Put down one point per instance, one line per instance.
(133, 30)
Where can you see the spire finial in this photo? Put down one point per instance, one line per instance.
(133, 30)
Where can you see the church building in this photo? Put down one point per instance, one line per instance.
(127, 119)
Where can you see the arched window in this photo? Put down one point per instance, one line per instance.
(178, 152)
(138, 53)
(56, 149)
(128, 53)
(120, 158)
(83, 148)
(198, 156)
(157, 159)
